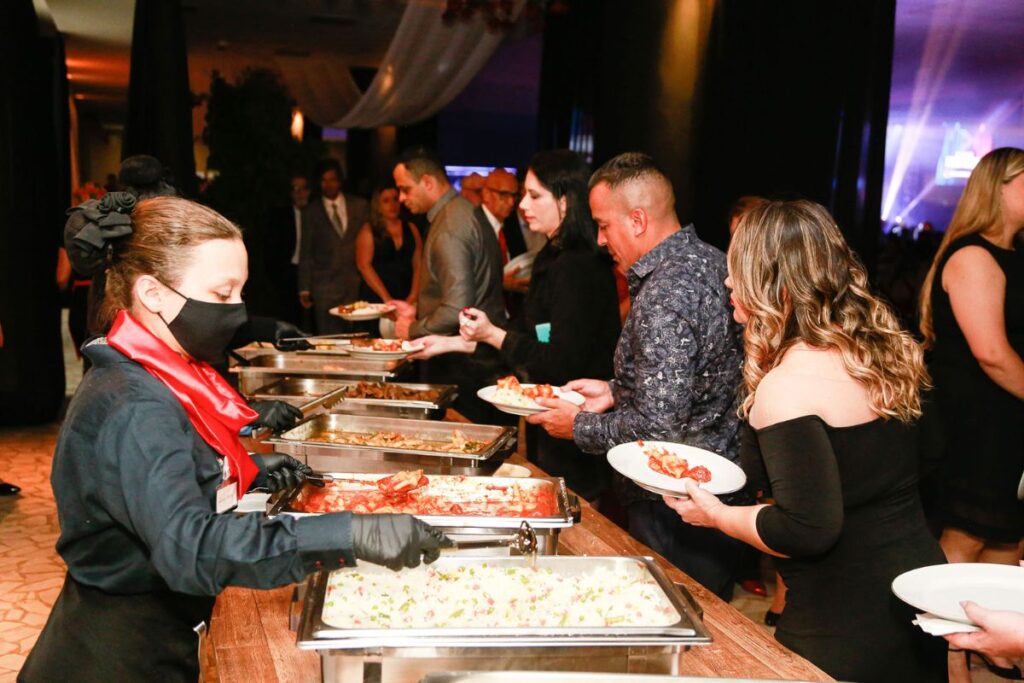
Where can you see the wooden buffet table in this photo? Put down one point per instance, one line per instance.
(252, 643)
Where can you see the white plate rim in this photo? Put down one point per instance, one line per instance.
(483, 394)
(679, 489)
(906, 585)
(374, 313)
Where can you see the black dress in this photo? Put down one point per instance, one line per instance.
(394, 266)
(848, 515)
(978, 417)
(572, 291)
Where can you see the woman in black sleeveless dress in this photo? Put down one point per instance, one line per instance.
(832, 393)
(388, 251)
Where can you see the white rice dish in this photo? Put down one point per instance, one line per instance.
(512, 397)
(487, 596)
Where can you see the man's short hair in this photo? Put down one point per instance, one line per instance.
(421, 161)
(626, 168)
(328, 164)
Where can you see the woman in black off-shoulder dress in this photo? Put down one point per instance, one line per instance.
(832, 395)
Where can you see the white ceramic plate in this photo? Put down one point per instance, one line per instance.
(371, 312)
(507, 469)
(370, 354)
(487, 394)
(524, 262)
(629, 460)
(939, 589)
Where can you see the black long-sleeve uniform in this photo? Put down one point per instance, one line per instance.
(146, 552)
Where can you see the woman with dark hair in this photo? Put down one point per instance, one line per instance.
(388, 251)
(570, 321)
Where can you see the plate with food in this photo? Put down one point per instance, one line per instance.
(382, 349)
(939, 589)
(663, 467)
(509, 396)
(361, 310)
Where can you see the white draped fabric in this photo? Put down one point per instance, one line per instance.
(323, 87)
(426, 66)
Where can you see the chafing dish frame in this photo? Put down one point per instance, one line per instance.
(261, 367)
(475, 527)
(298, 390)
(325, 456)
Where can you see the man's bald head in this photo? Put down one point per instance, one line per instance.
(633, 204)
(472, 185)
(501, 189)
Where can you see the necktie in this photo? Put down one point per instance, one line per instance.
(503, 245)
(336, 218)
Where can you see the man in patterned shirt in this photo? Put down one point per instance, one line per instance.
(677, 363)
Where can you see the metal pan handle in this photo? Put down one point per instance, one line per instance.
(574, 508)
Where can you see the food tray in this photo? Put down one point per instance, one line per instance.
(316, 634)
(331, 457)
(475, 527)
(298, 390)
(263, 368)
(568, 504)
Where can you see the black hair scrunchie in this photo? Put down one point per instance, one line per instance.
(93, 225)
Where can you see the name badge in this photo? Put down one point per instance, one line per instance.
(543, 332)
(227, 496)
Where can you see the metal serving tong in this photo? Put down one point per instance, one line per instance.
(320, 403)
(327, 337)
(523, 539)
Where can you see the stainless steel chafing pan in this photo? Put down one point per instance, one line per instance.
(306, 442)
(265, 367)
(686, 626)
(298, 390)
(472, 528)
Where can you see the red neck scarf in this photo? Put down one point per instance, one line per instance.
(214, 408)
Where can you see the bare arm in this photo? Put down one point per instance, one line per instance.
(364, 262)
(417, 265)
(977, 292)
(63, 269)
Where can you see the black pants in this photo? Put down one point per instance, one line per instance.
(96, 636)
(707, 555)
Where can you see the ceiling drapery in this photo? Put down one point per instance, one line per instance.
(426, 66)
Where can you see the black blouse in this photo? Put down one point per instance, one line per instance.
(573, 290)
(135, 487)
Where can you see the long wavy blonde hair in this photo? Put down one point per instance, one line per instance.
(800, 281)
(980, 208)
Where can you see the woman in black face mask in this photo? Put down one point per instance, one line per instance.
(148, 460)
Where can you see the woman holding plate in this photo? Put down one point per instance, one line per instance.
(832, 391)
(569, 324)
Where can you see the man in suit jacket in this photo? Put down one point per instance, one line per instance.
(461, 268)
(327, 264)
(281, 257)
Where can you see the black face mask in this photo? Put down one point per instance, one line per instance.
(206, 329)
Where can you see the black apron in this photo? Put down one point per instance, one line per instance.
(92, 635)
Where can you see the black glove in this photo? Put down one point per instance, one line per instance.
(280, 471)
(277, 415)
(396, 541)
(285, 330)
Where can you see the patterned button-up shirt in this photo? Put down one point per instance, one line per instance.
(678, 360)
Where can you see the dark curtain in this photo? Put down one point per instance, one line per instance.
(794, 103)
(34, 193)
(159, 100)
(569, 79)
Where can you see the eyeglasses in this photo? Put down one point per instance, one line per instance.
(504, 194)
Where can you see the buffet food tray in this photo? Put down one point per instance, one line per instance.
(261, 369)
(315, 634)
(298, 390)
(462, 528)
(302, 443)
